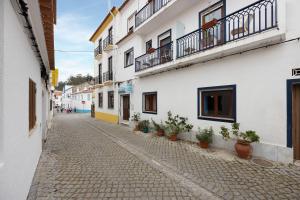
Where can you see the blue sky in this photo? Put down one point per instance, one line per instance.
(76, 22)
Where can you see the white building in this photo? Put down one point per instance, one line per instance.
(215, 62)
(26, 58)
(57, 98)
(82, 98)
(66, 99)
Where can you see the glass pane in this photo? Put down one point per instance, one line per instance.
(225, 104)
(208, 104)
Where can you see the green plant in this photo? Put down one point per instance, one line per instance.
(205, 135)
(143, 125)
(176, 124)
(248, 136)
(158, 127)
(136, 117)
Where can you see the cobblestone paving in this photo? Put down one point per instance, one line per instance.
(79, 162)
(234, 179)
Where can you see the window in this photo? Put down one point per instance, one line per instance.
(32, 104)
(100, 100)
(148, 45)
(217, 103)
(130, 23)
(150, 102)
(110, 96)
(129, 57)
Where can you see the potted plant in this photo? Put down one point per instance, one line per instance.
(205, 137)
(175, 125)
(159, 128)
(144, 126)
(150, 50)
(244, 139)
(136, 118)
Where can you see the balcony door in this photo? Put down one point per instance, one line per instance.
(100, 73)
(212, 29)
(110, 69)
(296, 120)
(110, 34)
(164, 43)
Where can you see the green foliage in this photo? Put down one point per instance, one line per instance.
(136, 117)
(176, 124)
(158, 127)
(205, 135)
(143, 124)
(74, 80)
(248, 137)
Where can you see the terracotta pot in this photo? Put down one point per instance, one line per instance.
(209, 24)
(243, 149)
(203, 145)
(173, 137)
(160, 133)
(151, 50)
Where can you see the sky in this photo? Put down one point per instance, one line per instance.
(76, 22)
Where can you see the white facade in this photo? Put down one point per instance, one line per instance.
(257, 66)
(20, 147)
(66, 99)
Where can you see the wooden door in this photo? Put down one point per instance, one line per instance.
(296, 121)
(126, 107)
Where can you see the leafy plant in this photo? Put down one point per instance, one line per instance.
(248, 136)
(176, 124)
(205, 135)
(144, 124)
(158, 127)
(136, 117)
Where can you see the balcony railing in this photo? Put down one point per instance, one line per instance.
(107, 76)
(159, 56)
(98, 80)
(148, 10)
(98, 51)
(255, 18)
(107, 41)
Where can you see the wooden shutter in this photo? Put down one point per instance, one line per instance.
(32, 104)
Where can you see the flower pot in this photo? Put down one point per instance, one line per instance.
(145, 129)
(209, 24)
(173, 137)
(160, 133)
(151, 50)
(203, 145)
(243, 149)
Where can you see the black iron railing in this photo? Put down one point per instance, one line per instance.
(255, 18)
(148, 10)
(98, 79)
(107, 41)
(107, 76)
(98, 51)
(158, 56)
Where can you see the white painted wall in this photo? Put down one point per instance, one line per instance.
(20, 150)
(82, 96)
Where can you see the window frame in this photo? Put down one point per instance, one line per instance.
(100, 106)
(133, 26)
(125, 57)
(32, 118)
(214, 89)
(110, 105)
(144, 103)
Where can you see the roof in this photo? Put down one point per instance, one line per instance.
(123, 5)
(104, 24)
(48, 14)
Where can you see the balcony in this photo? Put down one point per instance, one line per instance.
(156, 57)
(98, 80)
(107, 78)
(108, 43)
(253, 19)
(98, 52)
(148, 10)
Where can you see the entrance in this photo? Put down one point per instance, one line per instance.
(296, 120)
(126, 107)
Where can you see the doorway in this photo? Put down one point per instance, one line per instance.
(126, 107)
(165, 47)
(296, 120)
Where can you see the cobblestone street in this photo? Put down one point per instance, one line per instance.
(87, 159)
